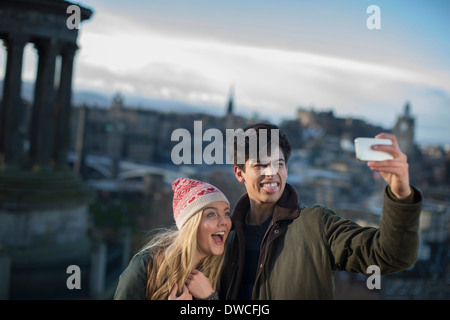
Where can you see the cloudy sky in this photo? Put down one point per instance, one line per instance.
(278, 55)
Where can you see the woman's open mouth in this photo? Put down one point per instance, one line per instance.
(219, 237)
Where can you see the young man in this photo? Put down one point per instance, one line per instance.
(280, 249)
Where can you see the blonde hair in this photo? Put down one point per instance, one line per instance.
(172, 260)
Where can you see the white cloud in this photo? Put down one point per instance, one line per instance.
(121, 53)
(263, 76)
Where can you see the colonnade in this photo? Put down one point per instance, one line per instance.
(48, 132)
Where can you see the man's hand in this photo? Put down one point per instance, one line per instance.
(395, 172)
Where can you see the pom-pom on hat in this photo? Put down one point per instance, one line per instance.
(190, 196)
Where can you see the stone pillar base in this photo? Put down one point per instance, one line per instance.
(40, 272)
(40, 208)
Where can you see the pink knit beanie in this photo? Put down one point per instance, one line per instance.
(190, 196)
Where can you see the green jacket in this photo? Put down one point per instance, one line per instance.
(133, 280)
(303, 246)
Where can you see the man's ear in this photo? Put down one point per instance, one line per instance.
(238, 174)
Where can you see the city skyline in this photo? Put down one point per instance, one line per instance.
(277, 56)
(86, 167)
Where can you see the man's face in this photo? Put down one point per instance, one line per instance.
(264, 178)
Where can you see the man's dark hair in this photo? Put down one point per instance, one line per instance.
(283, 142)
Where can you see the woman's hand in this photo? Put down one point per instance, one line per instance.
(199, 285)
(185, 295)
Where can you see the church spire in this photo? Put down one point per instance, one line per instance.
(230, 105)
(407, 110)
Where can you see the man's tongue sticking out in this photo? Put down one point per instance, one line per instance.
(271, 187)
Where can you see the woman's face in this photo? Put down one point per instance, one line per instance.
(213, 229)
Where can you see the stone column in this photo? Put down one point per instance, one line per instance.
(10, 112)
(5, 274)
(41, 130)
(63, 105)
(98, 269)
(79, 145)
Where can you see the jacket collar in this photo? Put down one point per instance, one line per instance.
(286, 208)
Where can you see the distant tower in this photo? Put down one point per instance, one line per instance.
(404, 131)
(230, 105)
(117, 103)
(229, 118)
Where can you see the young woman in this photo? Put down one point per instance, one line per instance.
(183, 263)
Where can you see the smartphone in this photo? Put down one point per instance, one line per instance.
(364, 151)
